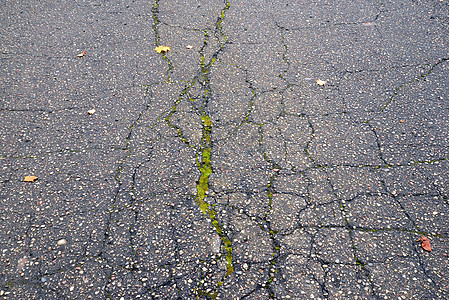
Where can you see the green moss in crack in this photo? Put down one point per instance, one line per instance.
(269, 190)
(220, 20)
(205, 169)
(202, 187)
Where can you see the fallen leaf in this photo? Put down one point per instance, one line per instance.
(189, 47)
(425, 243)
(321, 82)
(81, 54)
(91, 111)
(162, 49)
(30, 178)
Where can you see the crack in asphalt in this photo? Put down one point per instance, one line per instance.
(284, 237)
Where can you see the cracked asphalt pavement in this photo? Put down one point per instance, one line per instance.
(222, 169)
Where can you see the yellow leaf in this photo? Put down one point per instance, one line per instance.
(162, 49)
(30, 178)
(320, 82)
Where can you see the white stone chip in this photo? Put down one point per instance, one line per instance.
(62, 242)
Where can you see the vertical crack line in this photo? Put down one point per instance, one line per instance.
(251, 100)
(312, 137)
(247, 114)
(396, 198)
(154, 12)
(118, 171)
(272, 233)
(205, 168)
(265, 225)
(285, 148)
(351, 230)
(132, 230)
(205, 151)
(173, 110)
(421, 262)
(157, 37)
(218, 28)
(113, 210)
(284, 72)
(379, 147)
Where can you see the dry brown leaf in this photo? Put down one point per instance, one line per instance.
(30, 178)
(425, 243)
(321, 82)
(162, 49)
(81, 54)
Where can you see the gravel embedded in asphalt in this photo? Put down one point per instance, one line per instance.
(224, 169)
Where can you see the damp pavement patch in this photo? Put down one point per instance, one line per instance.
(279, 150)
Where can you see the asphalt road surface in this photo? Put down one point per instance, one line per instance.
(279, 150)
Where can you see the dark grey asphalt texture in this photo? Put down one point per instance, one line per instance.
(222, 169)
